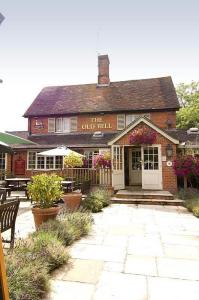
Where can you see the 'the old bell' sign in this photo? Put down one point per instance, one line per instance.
(96, 124)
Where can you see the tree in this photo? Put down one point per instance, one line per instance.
(188, 95)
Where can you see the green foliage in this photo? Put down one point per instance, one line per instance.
(96, 200)
(28, 266)
(191, 198)
(196, 211)
(45, 189)
(46, 247)
(73, 160)
(27, 279)
(188, 95)
(70, 226)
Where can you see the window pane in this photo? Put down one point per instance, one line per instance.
(58, 162)
(66, 124)
(49, 162)
(58, 125)
(51, 125)
(120, 122)
(31, 160)
(40, 162)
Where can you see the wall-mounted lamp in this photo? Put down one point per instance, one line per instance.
(169, 150)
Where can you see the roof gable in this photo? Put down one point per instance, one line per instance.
(132, 95)
(148, 123)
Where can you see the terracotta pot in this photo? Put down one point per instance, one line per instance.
(110, 190)
(44, 214)
(72, 200)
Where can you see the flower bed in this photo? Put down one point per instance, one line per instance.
(29, 265)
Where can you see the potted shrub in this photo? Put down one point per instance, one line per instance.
(73, 200)
(45, 190)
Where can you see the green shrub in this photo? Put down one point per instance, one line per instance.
(33, 258)
(27, 279)
(189, 193)
(69, 227)
(96, 200)
(81, 221)
(92, 203)
(196, 211)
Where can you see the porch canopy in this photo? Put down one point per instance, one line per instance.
(59, 151)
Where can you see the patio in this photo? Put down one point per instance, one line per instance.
(134, 252)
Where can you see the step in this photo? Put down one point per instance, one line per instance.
(126, 194)
(175, 202)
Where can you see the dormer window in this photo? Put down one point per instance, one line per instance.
(98, 134)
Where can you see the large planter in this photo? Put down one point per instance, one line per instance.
(44, 214)
(72, 200)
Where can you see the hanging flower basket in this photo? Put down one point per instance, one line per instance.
(102, 161)
(142, 137)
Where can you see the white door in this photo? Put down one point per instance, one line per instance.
(135, 166)
(118, 167)
(151, 167)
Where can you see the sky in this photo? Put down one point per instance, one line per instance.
(56, 42)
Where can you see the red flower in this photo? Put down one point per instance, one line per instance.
(141, 136)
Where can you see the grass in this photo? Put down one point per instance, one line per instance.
(29, 265)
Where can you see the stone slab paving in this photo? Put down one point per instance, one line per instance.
(135, 252)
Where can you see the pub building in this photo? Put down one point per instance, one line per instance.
(100, 117)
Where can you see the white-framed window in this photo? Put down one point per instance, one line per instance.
(132, 117)
(66, 124)
(59, 125)
(62, 124)
(120, 122)
(73, 124)
(89, 155)
(40, 162)
(51, 124)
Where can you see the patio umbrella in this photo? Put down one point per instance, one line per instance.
(5, 148)
(59, 151)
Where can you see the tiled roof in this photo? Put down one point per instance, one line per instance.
(183, 136)
(70, 140)
(132, 95)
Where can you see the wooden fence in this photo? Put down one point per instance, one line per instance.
(97, 176)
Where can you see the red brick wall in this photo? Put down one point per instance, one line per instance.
(168, 177)
(102, 122)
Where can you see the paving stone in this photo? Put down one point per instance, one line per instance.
(113, 267)
(70, 290)
(101, 252)
(87, 271)
(181, 251)
(172, 289)
(180, 240)
(141, 265)
(178, 268)
(119, 286)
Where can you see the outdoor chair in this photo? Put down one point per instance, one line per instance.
(2, 196)
(8, 215)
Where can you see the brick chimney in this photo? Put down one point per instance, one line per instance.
(103, 70)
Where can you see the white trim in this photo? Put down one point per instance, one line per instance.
(135, 123)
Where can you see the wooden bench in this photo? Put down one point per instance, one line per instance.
(2, 196)
(8, 215)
